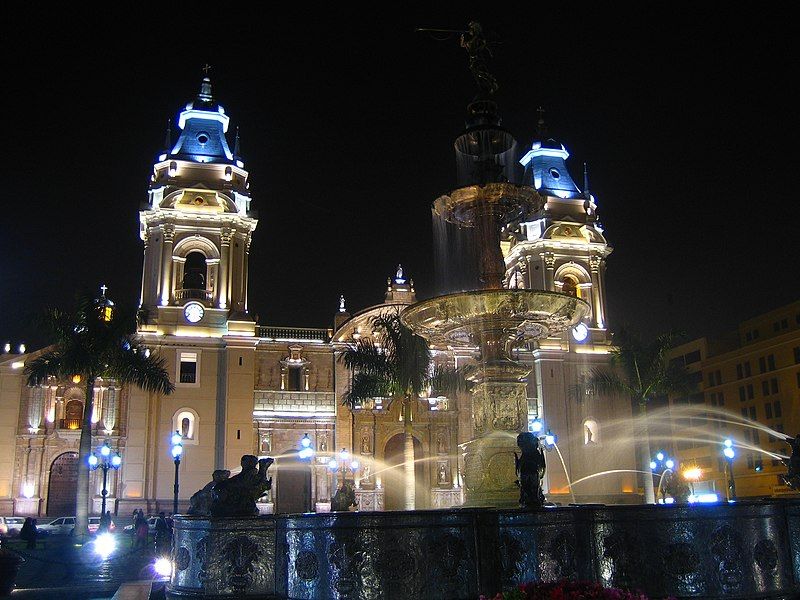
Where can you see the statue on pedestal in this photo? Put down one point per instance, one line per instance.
(530, 469)
(344, 498)
(236, 497)
(792, 477)
(200, 502)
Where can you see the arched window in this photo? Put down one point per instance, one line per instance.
(194, 272)
(569, 285)
(186, 422)
(73, 415)
(591, 432)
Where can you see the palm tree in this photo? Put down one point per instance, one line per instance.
(93, 341)
(396, 364)
(643, 372)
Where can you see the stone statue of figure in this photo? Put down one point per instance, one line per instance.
(442, 474)
(399, 274)
(441, 444)
(185, 424)
(365, 444)
(792, 477)
(341, 304)
(200, 502)
(344, 498)
(677, 488)
(323, 443)
(478, 50)
(236, 497)
(530, 469)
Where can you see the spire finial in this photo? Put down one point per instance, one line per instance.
(341, 304)
(103, 289)
(586, 179)
(236, 150)
(205, 86)
(399, 275)
(168, 138)
(541, 128)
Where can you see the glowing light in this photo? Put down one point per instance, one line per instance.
(228, 173)
(354, 465)
(93, 461)
(105, 450)
(162, 157)
(703, 498)
(728, 443)
(104, 545)
(163, 567)
(22, 348)
(660, 456)
(670, 464)
(535, 426)
(550, 438)
(306, 441)
(76, 379)
(653, 464)
(7, 348)
(173, 168)
(344, 455)
(177, 451)
(177, 438)
(693, 474)
(116, 461)
(17, 364)
(240, 164)
(332, 464)
(27, 490)
(729, 453)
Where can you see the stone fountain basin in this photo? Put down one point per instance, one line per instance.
(506, 201)
(459, 319)
(742, 550)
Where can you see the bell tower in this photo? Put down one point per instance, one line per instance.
(197, 230)
(561, 247)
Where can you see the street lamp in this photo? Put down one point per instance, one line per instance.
(661, 465)
(306, 451)
(343, 465)
(106, 461)
(177, 451)
(730, 454)
(550, 439)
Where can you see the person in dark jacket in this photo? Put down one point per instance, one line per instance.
(28, 532)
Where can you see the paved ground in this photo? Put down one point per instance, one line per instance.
(60, 568)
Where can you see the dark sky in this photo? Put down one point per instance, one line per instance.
(687, 119)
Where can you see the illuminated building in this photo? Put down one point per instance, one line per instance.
(246, 388)
(753, 374)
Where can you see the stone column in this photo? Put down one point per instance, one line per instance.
(223, 297)
(36, 407)
(550, 267)
(110, 409)
(166, 264)
(597, 291)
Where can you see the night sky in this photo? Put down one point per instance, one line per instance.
(688, 121)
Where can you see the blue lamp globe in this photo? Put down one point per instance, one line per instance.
(332, 464)
(93, 460)
(177, 438)
(105, 450)
(116, 461)
(177, 450)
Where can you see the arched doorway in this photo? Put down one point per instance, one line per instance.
(63, 485)
(393, 474)
(292, 485)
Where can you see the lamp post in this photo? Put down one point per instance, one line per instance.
(106, 461)
(306, 451)
(661, 465)
(730, 454)
(177, 451)
(343, 465)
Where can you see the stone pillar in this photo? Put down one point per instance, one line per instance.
(500, 412)
(36, 407)
(597, 293)
(166, 264)
(550, 267)
(110, 409)
(224, 268)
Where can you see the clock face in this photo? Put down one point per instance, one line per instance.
(193, 312)
(580, 332)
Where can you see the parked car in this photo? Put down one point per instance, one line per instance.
(59, 526)
(94, 525)
(10, 526)
(151, 526)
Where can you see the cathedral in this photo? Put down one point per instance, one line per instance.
(246, 388)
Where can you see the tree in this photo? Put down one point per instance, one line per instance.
(397, 364)
(95, 340)
(642, 371)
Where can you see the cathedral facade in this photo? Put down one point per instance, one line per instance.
(245, 388)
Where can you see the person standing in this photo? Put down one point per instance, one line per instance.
(140, 526)
(28, 532)
(163, 540)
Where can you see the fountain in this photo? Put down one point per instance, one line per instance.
(738, 550)
(491, 319)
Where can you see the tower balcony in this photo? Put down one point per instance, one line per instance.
(182, 295)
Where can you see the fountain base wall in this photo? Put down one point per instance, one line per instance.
(746, 550)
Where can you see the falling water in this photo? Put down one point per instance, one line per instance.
(566, 473)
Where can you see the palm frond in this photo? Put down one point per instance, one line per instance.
(42, 367)
(604, 380)
(129, 364)
(365, 386)
(448, 381)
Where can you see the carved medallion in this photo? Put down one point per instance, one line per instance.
(241, 554)
(766, 555)
(306, 566)
(182, 558)
(726, 550)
